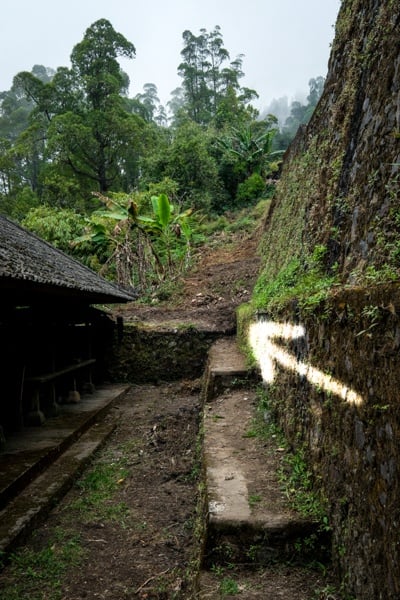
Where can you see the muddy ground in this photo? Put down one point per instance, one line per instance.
(143, 539)
(221, 279)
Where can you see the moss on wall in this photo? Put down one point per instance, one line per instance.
(353, 336)
(149, 354)
(340, 181)
(331, 262)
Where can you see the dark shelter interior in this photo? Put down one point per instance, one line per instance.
(54, 337)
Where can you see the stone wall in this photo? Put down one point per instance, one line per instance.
(339, 400)
(144, 354)
(332, 359)
(341, 177)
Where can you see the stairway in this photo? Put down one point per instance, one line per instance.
(39, 464)
(250, 524)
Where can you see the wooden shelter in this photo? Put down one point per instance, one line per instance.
(53, 340)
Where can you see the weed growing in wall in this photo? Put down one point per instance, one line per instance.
(304, 281)
(295, 477)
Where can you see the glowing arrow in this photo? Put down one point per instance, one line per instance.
(268, 353)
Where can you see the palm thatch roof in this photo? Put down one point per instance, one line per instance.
(32, 270)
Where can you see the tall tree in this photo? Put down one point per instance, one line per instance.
(300, 113)
(94, 59)
(91, 137)
(148, 102)
(207, 76)
(217, 55)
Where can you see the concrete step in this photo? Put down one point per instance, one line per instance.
(226, 368)
(248, 515)
(29, 451)
(34, 502)
(39, 464)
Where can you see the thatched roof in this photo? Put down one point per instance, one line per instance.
(32, 270)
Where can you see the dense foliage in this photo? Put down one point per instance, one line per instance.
(89, 168)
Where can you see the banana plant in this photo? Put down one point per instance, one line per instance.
(169, 227)
(251, 148)
(135, 236)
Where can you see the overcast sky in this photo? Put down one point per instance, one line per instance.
(285, 42)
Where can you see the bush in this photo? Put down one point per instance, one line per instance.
(58, 226)
(250, 190)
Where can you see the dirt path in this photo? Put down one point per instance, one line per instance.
(135, 537)
(131, 526)
(143, 539)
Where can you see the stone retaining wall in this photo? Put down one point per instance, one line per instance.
(339, 399)
(150, 354)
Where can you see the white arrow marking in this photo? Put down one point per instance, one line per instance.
(268, 353)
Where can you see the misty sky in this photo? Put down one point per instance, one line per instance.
(285, 42)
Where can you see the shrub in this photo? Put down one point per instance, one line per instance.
(250, 190)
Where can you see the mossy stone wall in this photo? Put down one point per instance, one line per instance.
(353, 449)
(341, 176)
(146, 354)
(340, 190)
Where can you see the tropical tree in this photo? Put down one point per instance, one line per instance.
(250, 147)
(189, 162)
(94, 59)
(90, 137)
(245, 156)
(207, 75)
(170, 226)
(60, 227)
(176, 105)
(149, 100)
(300, 113)
(14, 114)
(141, 246)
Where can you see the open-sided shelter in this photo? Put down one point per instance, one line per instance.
(54, 338)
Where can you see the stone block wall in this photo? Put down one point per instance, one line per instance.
(350, 429)
(145, 354)
(339, 195)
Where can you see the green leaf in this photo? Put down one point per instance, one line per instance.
(144, 219)
(118, 216)
(162, 209)
(154, 202)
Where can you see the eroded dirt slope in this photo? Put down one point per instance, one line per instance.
(221, 279)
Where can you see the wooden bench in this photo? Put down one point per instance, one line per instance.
(35, 415)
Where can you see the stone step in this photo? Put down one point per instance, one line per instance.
(226, 368)
(34, 502)
(28, 452)
(248, 514)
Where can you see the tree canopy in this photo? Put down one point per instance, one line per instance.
(207, 76)
(72, 137)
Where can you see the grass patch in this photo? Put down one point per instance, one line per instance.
(243, 220)
(98, 489)
(263, 425)
(37, 574)
(228, 587)
(297, 483)
(254, 499)
(304, 280)
(294, 475)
